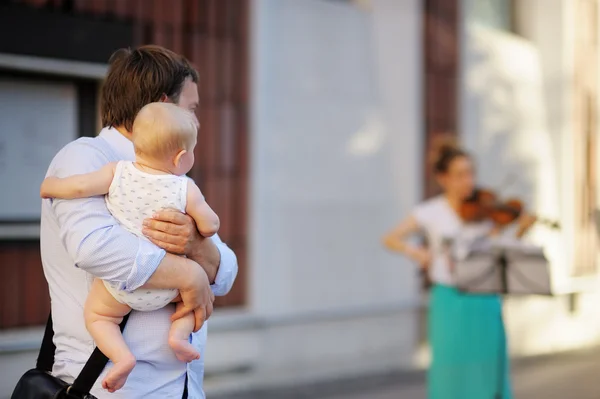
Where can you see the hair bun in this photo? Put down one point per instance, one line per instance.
(443, 150)
(446, 149)
(444, 142)
(441, 144)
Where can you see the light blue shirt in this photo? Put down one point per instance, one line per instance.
(81, 240)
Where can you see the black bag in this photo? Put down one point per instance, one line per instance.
(38, 383)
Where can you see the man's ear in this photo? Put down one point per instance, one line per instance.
(164, 98)
(177, 159)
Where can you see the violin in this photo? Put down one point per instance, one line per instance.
(485, 204)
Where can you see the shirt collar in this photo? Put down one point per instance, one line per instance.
(121, 144)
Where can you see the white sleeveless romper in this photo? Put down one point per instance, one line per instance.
(133, 196)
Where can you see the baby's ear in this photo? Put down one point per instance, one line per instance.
(177, 159)
(164, 98)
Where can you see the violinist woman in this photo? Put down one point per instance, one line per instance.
(466, 331)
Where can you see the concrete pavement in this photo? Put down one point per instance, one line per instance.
(565, 376)
(572, 376)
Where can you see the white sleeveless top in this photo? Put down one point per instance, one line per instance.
(444, 231)
(135, 195)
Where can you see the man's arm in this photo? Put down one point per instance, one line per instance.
(79, 186)
(185, 274)
(177, 233)
(227, 268)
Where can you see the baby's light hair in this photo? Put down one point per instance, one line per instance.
(161, 130)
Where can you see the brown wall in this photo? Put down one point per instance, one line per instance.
(24, 293)
(213, 35)
(441, 63)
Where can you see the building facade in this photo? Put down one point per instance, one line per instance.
(317, 116)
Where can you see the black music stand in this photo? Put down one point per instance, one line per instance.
(500, 268)
(495, 268)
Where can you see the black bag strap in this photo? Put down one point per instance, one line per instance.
(91, 370)
(45, 359)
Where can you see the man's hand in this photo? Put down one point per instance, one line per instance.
(173, 231)
(197, 297)
(176, 232)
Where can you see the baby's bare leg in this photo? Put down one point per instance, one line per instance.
(103, 314)
(179, 337)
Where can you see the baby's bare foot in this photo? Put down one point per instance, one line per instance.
(184, 351)
(117, 375)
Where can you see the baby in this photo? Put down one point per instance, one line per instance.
(164, 137)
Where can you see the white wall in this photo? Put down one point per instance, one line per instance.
(335, 143)
(516, 117)
(335, 162)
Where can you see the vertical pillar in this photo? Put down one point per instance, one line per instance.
(585, 121)
(441, 53)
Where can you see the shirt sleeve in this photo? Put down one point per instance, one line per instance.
(228, 268)
(91, 235)
(420, 214)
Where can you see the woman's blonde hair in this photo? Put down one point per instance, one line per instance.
(161, 130)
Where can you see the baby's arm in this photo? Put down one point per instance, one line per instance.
(79, 186)
(206, 219)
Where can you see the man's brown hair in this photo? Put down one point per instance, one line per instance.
(139, 77)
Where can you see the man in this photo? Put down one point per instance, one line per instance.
(80, 241)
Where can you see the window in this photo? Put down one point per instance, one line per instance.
(37, 118)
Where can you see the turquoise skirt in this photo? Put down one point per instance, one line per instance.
(468, 343)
